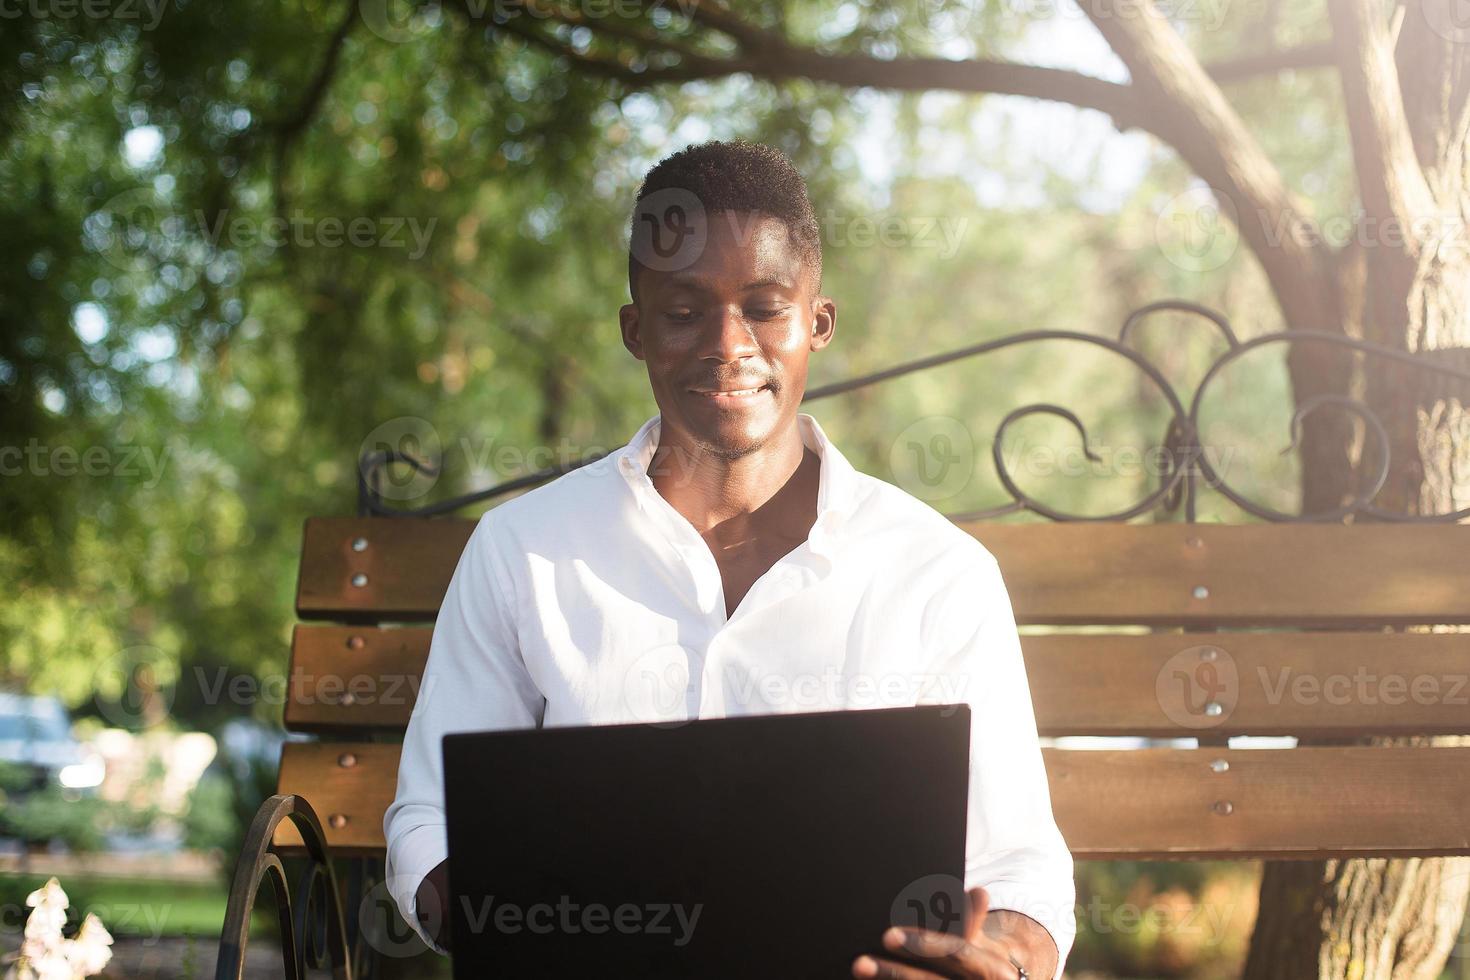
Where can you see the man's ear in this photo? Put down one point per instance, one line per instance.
(824, 322)
(628, 321)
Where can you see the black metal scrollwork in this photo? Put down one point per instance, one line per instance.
(1186, 463)
(313, 933)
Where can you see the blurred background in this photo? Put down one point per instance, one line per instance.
(246, 242)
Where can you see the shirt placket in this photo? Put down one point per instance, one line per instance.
(788, 575)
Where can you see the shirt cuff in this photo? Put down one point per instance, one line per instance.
(412, 857)
(1060, 923)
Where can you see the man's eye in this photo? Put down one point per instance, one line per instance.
(767, 312)
(681, 316)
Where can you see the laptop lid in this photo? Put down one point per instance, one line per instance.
(774, 845)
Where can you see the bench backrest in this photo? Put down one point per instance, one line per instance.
(1322, 632)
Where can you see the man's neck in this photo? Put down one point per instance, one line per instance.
(775, 485)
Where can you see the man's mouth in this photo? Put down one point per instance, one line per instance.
(732, 394)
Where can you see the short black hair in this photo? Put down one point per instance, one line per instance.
(738, 176)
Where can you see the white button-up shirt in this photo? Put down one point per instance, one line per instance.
(591, 600)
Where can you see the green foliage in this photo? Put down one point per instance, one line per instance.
(210, 823)
(222, 381)
(1164, 919)
(48, 815)
(224, 802)
(185, 387)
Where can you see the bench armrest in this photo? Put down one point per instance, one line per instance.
(312, 929)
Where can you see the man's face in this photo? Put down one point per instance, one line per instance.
(726, 339)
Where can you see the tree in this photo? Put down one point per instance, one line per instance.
(1403, 280)
(493, 117)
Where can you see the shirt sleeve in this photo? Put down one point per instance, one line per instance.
(475, 680)
(1013, 846)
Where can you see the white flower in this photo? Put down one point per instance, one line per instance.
(50, 903)
(45, 954)
(89, 952)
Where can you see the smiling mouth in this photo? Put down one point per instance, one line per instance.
(733, 394)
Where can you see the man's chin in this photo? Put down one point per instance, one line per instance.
(731, 434)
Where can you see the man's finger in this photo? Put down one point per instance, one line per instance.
(878, 968)
(946, 955)
(979, 907)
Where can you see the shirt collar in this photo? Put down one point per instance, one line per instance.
(837, 490)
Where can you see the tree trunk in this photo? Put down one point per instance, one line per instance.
(1393, 919)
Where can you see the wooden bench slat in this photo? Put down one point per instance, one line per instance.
(1283, 803)
(1251, 574)
(348, 679)
(354, 678)
(1066, 574)
(1149, 803)
(1315, 685)
(369, 569)
(350, 786)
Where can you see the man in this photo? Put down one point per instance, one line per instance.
(730, 561)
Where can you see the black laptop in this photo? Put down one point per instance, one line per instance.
(769, 846)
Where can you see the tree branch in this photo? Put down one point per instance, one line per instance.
(1254, 65)
(1391, 182)
(288, 129)
(1189, 114)
(290, 126)
(1434, 80)
(1210, 135)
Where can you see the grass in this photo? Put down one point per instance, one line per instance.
(129, 906)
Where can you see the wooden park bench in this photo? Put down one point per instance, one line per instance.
(1316, 630)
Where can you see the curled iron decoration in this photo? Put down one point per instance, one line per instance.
(312, 930)
(1185, 461)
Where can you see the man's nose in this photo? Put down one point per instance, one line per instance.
(730, 336)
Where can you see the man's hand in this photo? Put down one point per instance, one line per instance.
(431, 903)
(983, 953)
